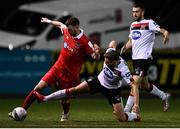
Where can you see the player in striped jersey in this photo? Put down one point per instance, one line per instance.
(108, 82)
(141, 40)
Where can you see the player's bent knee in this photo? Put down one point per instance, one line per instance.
(119, 117)
(40, 86)
(73, 90)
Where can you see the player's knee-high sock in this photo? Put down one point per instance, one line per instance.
(66, 107)
(130, 103)
(155, 91)
(56, 95)
(28, 100)
(131, 116)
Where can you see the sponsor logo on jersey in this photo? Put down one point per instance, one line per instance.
(108, 73)
(136, 35)
(66, 46)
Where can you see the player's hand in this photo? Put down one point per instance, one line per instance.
(166, 36)
(112, 44)
(136, 109)
(123, 49)
(96, 54)
(45, 20)
(96, 48)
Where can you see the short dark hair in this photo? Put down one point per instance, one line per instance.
(139, 5)
(72, 21)
(112, 55)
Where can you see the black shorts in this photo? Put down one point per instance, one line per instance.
(141, 66)
(113, 95)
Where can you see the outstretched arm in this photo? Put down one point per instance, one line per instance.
(55, 23)
(165, 35)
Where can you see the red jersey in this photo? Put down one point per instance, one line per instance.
(73, 53)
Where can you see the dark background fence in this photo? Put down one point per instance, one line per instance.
(164, 12)
(20, 71)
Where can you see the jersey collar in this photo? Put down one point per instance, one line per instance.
(80, 35)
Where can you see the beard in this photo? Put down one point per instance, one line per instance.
(74, 34)
(137, 18)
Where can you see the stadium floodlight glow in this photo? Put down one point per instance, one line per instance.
(10, 47)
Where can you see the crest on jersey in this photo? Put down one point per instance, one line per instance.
(136, 35)
(65, 45)
(108, 73)
(68, 47)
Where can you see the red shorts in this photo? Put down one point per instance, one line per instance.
(62, 77)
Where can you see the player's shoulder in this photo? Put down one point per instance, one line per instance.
(142, 21)
(82, 38)
(134, 22)
(150, 20)
(80, 35)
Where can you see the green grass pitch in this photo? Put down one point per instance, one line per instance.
(90, 112)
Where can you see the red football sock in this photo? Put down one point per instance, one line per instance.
(66, 107)
(28, 100)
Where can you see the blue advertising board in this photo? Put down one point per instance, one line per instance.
(21, 70)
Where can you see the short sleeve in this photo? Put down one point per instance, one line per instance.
(87, 44)
(154, 26)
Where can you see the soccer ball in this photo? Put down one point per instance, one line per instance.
(19, 114)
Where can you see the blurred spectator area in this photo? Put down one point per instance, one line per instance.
(164, 12)
(8, 6)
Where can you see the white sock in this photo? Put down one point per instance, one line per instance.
(56, 95)
(131, 116)
(158, 92)
(129, 104)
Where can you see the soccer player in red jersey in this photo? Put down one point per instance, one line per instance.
(65, 72)
(108, 83)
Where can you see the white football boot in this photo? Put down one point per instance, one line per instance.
(64, 117)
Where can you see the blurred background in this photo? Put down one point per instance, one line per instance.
(28, 48)
(165, 12)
